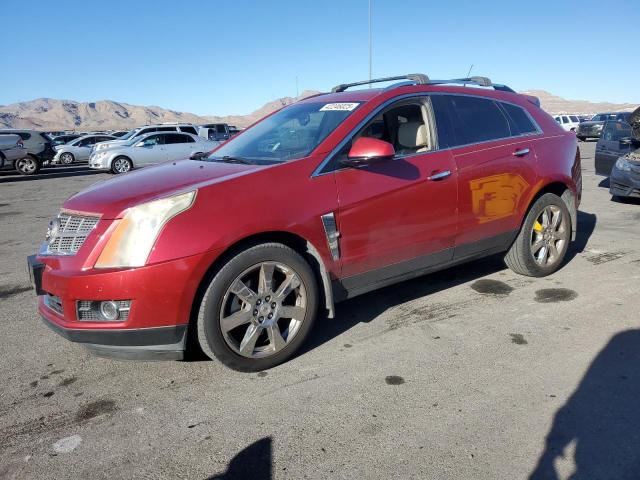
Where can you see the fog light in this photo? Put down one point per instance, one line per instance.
(109, 310)
(103, 310)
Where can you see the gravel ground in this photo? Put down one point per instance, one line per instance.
(461, 374)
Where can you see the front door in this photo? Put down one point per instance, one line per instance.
(150, 150)
(398, 216)
(612, 144)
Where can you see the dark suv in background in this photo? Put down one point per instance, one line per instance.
(39, 150)
(593, 128)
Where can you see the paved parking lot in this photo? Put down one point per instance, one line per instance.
(461, 374)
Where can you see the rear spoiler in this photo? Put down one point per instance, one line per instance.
(532, 99)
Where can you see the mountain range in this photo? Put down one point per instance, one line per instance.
(50, 114)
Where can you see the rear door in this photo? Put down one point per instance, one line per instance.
(179, 146)
(613, 143)
(398, 216)
(494, 154)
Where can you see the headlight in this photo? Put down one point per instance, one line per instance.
(623, 165)
(135, 235)
(599, 126)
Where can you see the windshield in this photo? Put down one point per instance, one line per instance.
(602, 117)
(130, 134)
(289, 134)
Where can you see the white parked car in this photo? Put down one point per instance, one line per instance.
(78, 150)
(568, 122)
(149, 149)
(138, 132)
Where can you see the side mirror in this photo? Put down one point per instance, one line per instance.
(198, 155)
(366, 151)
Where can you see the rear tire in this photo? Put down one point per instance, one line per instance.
(29, 165)
(540, 247)
(264, 324)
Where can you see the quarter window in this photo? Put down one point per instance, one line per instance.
(519, 120)
(191, 130)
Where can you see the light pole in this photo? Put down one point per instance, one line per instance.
(370, 45)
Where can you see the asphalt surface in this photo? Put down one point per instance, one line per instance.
(461, 374)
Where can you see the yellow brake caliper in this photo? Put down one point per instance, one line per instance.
(537, 226)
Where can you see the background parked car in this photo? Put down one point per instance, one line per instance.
(568, 122)
(62, 139)
(11, 151)
(615, 142)
(39, 150)
(149, 149)
(78, 150)
(218, 132)
(119, 133)
(137, 132)
(593, 128)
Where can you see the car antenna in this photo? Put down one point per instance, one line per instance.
(469, 73)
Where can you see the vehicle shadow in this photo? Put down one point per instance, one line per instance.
(365, 308)
(586, 226)
(369, 306)
(253, 462)
(10, 176)
(600, 418)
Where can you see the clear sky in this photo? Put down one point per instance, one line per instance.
(230, 57)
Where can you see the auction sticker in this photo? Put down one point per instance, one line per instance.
(343, 107)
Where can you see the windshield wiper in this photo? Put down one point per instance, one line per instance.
(230, 159)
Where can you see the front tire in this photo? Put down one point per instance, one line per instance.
(121, 165)
(67, 158)
(258, 309)
(543, 240)
(28, 165)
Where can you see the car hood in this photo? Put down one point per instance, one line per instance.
(110, 198)
(591, 123)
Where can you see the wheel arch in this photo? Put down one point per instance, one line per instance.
(294, 241)
(563, 191)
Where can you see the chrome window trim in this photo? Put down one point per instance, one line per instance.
(319, 169)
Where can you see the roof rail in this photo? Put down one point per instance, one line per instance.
(416, 78)
(422, 79)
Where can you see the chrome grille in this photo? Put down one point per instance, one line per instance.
(67, 232)
(54, 303)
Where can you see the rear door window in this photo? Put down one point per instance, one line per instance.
(172, 138)
(474, 119)
(565, 119)
(191, 130)
(574, 119)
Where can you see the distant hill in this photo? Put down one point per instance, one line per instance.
(554, 104)
(52, 114)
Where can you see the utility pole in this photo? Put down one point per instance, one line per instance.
(370, 46)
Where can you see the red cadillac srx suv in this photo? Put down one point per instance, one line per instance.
(331, 197)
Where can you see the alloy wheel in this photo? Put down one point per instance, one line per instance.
(263, 310)
(66, 158)
(549, 236)
(27, 165)
(121, 165)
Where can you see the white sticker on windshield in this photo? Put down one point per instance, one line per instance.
(343, 107)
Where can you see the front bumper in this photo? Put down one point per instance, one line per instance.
(161, 297)
(624, 184)
(161, 343)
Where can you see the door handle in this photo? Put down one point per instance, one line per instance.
(439, 175)
(521, 152)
